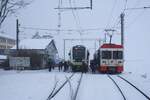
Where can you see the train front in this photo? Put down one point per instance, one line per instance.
(111, 58)
(79, 55)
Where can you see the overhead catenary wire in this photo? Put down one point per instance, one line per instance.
(118, 18)
(125, 6)
(139, 15)
(129, 10)
(135, 19)
(111, 14)
(115, 25)
(46, 29)
(129, 13)
(135, 5)
(109, 20)
(146, 7)
(74, 4)
(118, 21)
(75, 18)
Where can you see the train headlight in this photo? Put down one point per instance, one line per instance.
(119, 62)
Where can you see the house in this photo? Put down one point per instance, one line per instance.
(6, 42)
(33, 54)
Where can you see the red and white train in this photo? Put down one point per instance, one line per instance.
(109, 58)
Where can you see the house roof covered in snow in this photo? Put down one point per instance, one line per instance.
(6, 36)
(34, 43)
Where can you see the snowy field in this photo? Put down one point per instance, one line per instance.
(37, 85)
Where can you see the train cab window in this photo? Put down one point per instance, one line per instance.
(78, 53)
(106, 55)
(117, 55)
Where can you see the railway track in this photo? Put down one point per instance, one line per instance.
(55, 91)
(131, 84)
(124, 98)
(78, 86)
(146, 96)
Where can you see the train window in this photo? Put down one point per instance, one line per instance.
(78, 54)
(106, 55)
(117, 55)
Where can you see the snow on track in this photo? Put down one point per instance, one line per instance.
(37, 85)
(97, 87)
(142, 82)
(66, 93)
(56, 89)
(130, 92)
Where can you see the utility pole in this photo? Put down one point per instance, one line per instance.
(17, 34)
(122, 29)
(91, 6)
(59, 16)
(64, 49)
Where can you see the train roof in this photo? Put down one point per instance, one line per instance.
(111, 46)
(79, 46)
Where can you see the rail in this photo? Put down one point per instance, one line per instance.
(78, 86)
(117, 87)
(54, 91)
(135, 87)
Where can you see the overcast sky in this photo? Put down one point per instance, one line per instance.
(105, 14)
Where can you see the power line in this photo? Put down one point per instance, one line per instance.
(125, 6)
(117, 22)
(139, 15)
(111, 14)
(139, 8)
(73, 8)
(74, 4)
(137, 2)
(135, 19)
(75, 18)
(77, 8)
(46, 29)
(118, 18)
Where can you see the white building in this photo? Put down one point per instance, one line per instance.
(6, 42)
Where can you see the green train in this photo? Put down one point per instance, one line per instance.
(79, 58)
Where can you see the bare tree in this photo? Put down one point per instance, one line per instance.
(10, 7)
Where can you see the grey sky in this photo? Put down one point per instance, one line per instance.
(41, 14)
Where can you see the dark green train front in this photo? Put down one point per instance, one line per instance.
(79, 58)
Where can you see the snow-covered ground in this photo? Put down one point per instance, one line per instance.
(37, 85)
(28, 85)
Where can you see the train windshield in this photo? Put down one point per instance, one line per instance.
(78, 53)
(117, 55)
(106, 55)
